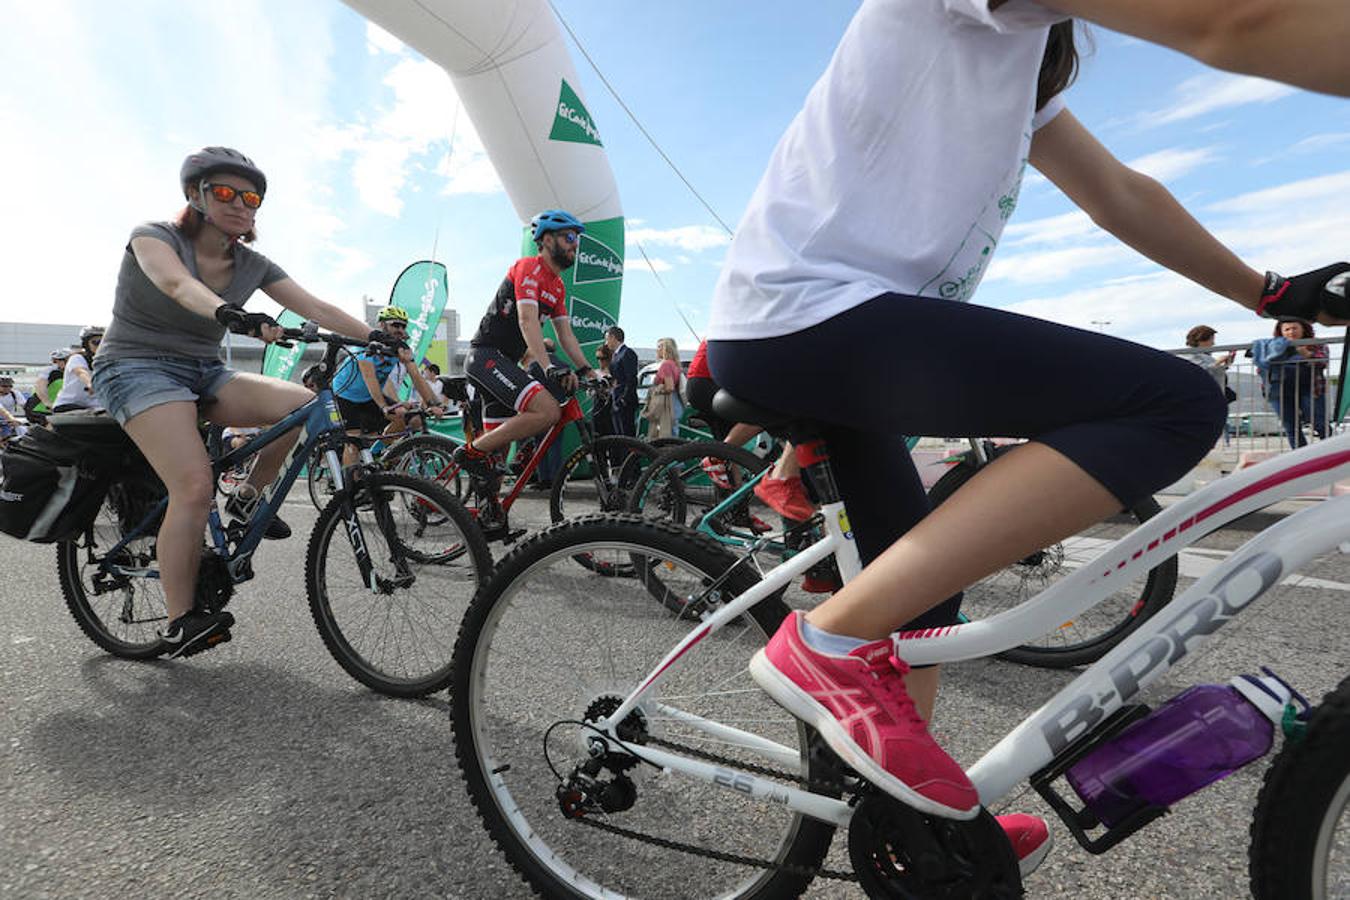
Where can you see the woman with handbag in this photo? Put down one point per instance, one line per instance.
(662, 410)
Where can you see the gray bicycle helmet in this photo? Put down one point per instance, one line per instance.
(61, 353)
(210, 160)
(89, 331)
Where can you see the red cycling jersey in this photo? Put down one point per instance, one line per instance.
(529, 280)
(699, 367)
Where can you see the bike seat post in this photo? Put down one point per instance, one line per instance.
(814, 458)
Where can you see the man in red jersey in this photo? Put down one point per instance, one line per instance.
(518, 404)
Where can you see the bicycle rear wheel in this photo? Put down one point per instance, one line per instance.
(121, 613)
(396, 638)
(1096, 631)
(1301, 828)
(546, 647)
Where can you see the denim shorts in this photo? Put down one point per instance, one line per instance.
(128, 387)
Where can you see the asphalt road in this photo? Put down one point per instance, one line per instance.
(261, 769)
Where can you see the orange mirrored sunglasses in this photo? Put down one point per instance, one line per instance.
(226, 194)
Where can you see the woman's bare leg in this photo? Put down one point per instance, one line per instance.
(167, 436)
(1020, 503)
(256, 400)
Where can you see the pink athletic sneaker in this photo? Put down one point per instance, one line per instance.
(786, 496)
(1030, 839)
(859, 705)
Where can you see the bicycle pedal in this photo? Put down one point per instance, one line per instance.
(215, 640)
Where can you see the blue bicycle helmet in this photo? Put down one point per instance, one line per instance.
(554, 220)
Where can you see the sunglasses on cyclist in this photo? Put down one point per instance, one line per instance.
(402, 326)
(569, 237)
(224, 193)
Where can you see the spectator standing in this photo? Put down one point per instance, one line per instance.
(602, 413)
(11, 405)
(663, 408)
(624, 368)
(1295, 378)
(432, 373)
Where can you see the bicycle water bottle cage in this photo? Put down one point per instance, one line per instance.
(1081, 820)
(898, 851)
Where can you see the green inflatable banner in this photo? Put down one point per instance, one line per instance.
(421, 290)
(280, 362)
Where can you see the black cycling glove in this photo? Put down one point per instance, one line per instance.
(557, 373)
(379, 336)
(240, 322)
(1308, 295)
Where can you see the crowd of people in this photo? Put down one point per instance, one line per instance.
(823, 257)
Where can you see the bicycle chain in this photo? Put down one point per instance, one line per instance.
(719, 855)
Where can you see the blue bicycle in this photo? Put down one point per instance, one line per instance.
(387, 605)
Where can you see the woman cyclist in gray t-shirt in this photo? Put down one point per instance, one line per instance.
(158, 370)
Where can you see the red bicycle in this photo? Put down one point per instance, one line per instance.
(596, 477)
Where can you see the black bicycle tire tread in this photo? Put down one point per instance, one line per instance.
(1162, 588)
(67, 574)
(814, 837)
(633, 446)
(1303, 776)
(321, 535)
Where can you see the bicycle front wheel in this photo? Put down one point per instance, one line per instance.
(1090, 636)
(427, 456)
(428, 559)
(546, 648)
(1301, 828)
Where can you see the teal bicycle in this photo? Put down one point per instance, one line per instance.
(677, 488)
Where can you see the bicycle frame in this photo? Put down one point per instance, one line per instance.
(1157, 645)
(320, 418)
(571, 412)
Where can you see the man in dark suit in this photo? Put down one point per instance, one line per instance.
(624, 368)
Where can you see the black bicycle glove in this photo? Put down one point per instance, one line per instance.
(388, 340)
(557, 373)
(240, 322)
(1308, 295)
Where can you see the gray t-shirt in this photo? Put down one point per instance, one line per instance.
(146, 322)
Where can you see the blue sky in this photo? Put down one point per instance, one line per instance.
(99, 103)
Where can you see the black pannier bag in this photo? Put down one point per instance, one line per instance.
(55, 481)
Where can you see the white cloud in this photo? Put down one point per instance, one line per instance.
(1049, 230)
(1174, 162)
(693, 238)
(1212, 91)
(645, 265)
(1055, 265)
(380, 41)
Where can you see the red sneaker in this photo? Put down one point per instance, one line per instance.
(1030, 839)
(787, 497)
(818, 584)
(716, 470)
(859, 705)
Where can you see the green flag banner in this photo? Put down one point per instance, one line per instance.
(421, 290)
(280, 362)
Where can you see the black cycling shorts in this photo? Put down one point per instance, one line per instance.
(506, 388)
(365, 416)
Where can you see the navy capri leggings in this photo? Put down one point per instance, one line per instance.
(1134, 418)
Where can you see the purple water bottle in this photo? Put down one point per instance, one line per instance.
(1199, 736)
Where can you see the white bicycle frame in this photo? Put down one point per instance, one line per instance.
(1178, 629)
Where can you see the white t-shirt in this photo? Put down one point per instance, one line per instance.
(72, 387)
(900, 170)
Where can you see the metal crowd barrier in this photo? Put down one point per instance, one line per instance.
(1266, 418)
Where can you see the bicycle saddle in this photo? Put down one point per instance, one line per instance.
(734, 409)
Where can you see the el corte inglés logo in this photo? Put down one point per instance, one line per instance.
(571, 121)
(596, 261)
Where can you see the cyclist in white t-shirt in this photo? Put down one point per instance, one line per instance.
(77, 390)
(882, 204)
